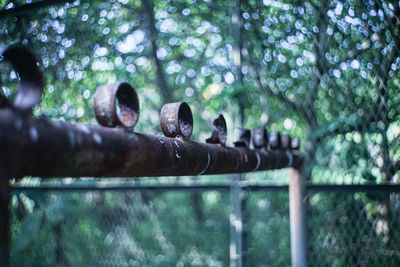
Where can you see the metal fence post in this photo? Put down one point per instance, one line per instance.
(4, 217)
(298, 237)
(238, 232)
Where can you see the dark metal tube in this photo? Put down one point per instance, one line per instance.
(48, 148)
(4, 217)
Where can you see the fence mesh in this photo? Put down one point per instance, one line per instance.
(354, 229)
(269, 237)
(119, 228)
(137, 227)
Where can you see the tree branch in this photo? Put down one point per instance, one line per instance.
(161, 80)
(270, 89)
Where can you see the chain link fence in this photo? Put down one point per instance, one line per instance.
(181, 226)
(354, 229)
(119, 228)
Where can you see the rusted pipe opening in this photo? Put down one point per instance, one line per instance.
(185, 119)
(295, 144)
(274, 140)
(127, 104)
(116, 104)
(176, 119)
(260, 138)
(31, 86)
(286, 142)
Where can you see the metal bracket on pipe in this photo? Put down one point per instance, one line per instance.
(260, 138)
(295, 144)
(244, 140)
(116, 104)
(274, 141)
(177, 120)
(31, 86)
(286, 142)
(219, 134)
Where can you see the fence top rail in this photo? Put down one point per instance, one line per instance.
(47, 148)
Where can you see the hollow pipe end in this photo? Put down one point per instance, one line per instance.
(116, 104)
(176, 120)
(274, 140)
(286, 142)
(260, 138)
(31, 86)
(295, 144)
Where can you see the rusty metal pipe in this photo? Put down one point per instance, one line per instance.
(48, 148)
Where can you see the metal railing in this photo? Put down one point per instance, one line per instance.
(45, 148)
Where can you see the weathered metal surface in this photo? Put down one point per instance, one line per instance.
(244, 139)
(48, 148)
(260, 138)
(31, 78)
(274, 140)
(286, 142)
(176, 120)
(295, 144)
(116, 104)
(219, 134)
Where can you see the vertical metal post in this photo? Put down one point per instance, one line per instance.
(4, 217)
(238, 231)
(245, 223)
(298, 241)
